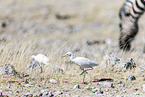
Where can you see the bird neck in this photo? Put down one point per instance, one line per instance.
(71, 57)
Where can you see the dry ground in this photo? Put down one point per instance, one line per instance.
(33, 27)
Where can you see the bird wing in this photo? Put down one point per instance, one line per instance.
(84, 62)
(42, 58)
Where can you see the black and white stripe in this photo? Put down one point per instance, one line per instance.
(129, 14)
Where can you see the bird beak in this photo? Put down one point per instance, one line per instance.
(63, 56)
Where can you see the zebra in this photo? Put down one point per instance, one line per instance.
(129, 15)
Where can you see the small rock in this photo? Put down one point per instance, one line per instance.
(66, 90)
(143, 87)
(89, 87)
(131, 77)
(4, 23)
(111, 61)
(121, 85)
(136, 93)
(45, 94)
(140, 68)
(50, 94)
(106, 90)
(53, 81)
(124, 91)
(119, 96)
(7, 70)
(34, 66)
(119, 82)
(29, 95)
(35, 95)
(44, 90)
(1, 94)
(27, 85)
(21, 76)
(129, 64)
(40, 94)
(77, 86)
(57, 93)
(76, 96)
(97, 91)
(107, 84)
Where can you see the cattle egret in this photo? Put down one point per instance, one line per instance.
(42, 59)
(82, 62)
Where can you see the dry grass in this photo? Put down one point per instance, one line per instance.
(18, 50)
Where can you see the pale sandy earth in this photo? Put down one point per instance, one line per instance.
(53, 27)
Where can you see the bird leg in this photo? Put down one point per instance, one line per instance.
(83, 72)
(84, 77)
(86, 70)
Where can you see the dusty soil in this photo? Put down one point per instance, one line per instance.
(53, 27)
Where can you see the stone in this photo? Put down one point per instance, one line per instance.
(40, 94)
(50, 94)
(140, 68)
(34, 66)
(113, 63)
(119, 82)
(110, 61)
(121, 85)
(97, 91)
(77, 86)
(119, 96)
(143, 87)
(53, 81)
(29, 95)
(107, 84)
(7, 70)
(129, 64)
(27, 85)
(136, 93)
(45, 94)
(66, 90)
(131, 77)
(57, 93)
(1, 94)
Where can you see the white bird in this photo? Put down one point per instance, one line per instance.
(82, 62)
(41, 59)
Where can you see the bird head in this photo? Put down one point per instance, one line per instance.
(33, 56)
(67, 54)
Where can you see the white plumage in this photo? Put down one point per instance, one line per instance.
(82, 62)
(41, 58)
